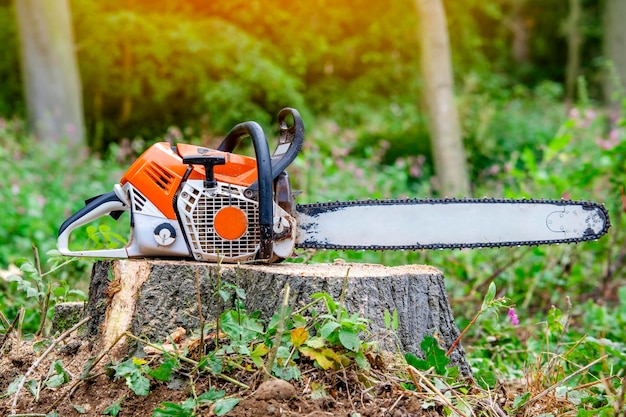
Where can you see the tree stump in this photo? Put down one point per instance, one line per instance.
(151, 298)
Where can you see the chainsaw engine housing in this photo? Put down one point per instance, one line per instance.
(207, 204)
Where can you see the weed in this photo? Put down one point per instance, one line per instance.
(40, 285)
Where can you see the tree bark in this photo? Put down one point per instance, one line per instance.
(51, 78)
(615, 51)
(574, 41)
(153, 298)
(436, 70)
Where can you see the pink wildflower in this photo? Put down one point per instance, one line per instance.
(611, 142)
(513, 316)
(574, 113)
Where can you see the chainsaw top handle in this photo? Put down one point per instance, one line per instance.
(288, 147)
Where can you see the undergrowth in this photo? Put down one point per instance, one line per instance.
(568, 355)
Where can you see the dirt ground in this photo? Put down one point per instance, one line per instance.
(345, 394)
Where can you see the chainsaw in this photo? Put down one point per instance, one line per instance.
(188, 201)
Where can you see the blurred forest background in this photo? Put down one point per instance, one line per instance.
(539, 91)
(204, 66)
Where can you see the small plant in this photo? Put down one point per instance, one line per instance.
(221, 405)
(57, 375)
(41, 286)
(103, 237)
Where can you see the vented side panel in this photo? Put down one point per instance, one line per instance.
(197, 208)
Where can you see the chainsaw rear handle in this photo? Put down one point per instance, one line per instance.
(109, 203)
(289, 142)
(263, 184)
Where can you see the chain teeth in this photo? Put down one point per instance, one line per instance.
(333, 205)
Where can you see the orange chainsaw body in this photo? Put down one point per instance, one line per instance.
(159, 171)
(207, 204)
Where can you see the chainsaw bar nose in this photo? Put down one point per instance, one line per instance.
(230, 223)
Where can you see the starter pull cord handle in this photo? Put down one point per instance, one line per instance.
(209, 162)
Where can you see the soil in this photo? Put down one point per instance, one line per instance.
(346, 392)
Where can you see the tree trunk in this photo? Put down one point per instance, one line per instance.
(574, 41)
(521, 33)
(51, 79)
(615, 51)
(153, 298)
(436, 69)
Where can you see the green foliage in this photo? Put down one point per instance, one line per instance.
(353, 61)
(221, 405)
(134, 371)
(11, 97)
(57, 375)
(202, 68)
(42, 286)
(435, 357)
(113, 409)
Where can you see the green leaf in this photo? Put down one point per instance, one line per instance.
(241, 293)
(57, 376)
(167, 409)
(164, 371)
(316, 342)
(361, 360)
(78, 293)
(12, 388)
(139, 384)
(435, 356)
(33, 387)
(113, 410)
(330, 303)
(211, 361)
(87, 367)
(554, 321)
(55, 381)
(225, 405)
(28, 268)
(491, 294)
(349, 339)
(287, 372)
(211, 395)
(416, 362)
(387, 319)
(328, 328)
(486, 378)
(80, 409)
(224, 294)
(395, 324)
(520, 400)
(125, 368)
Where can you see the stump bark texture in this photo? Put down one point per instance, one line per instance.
(151, 298)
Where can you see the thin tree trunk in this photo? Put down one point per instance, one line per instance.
(436, 70)
(51, 79)
(574, 40)
(521, 32)
(615, 51)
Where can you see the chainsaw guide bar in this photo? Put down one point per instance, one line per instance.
(448, 223)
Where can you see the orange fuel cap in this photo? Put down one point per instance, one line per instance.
(230, 223)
